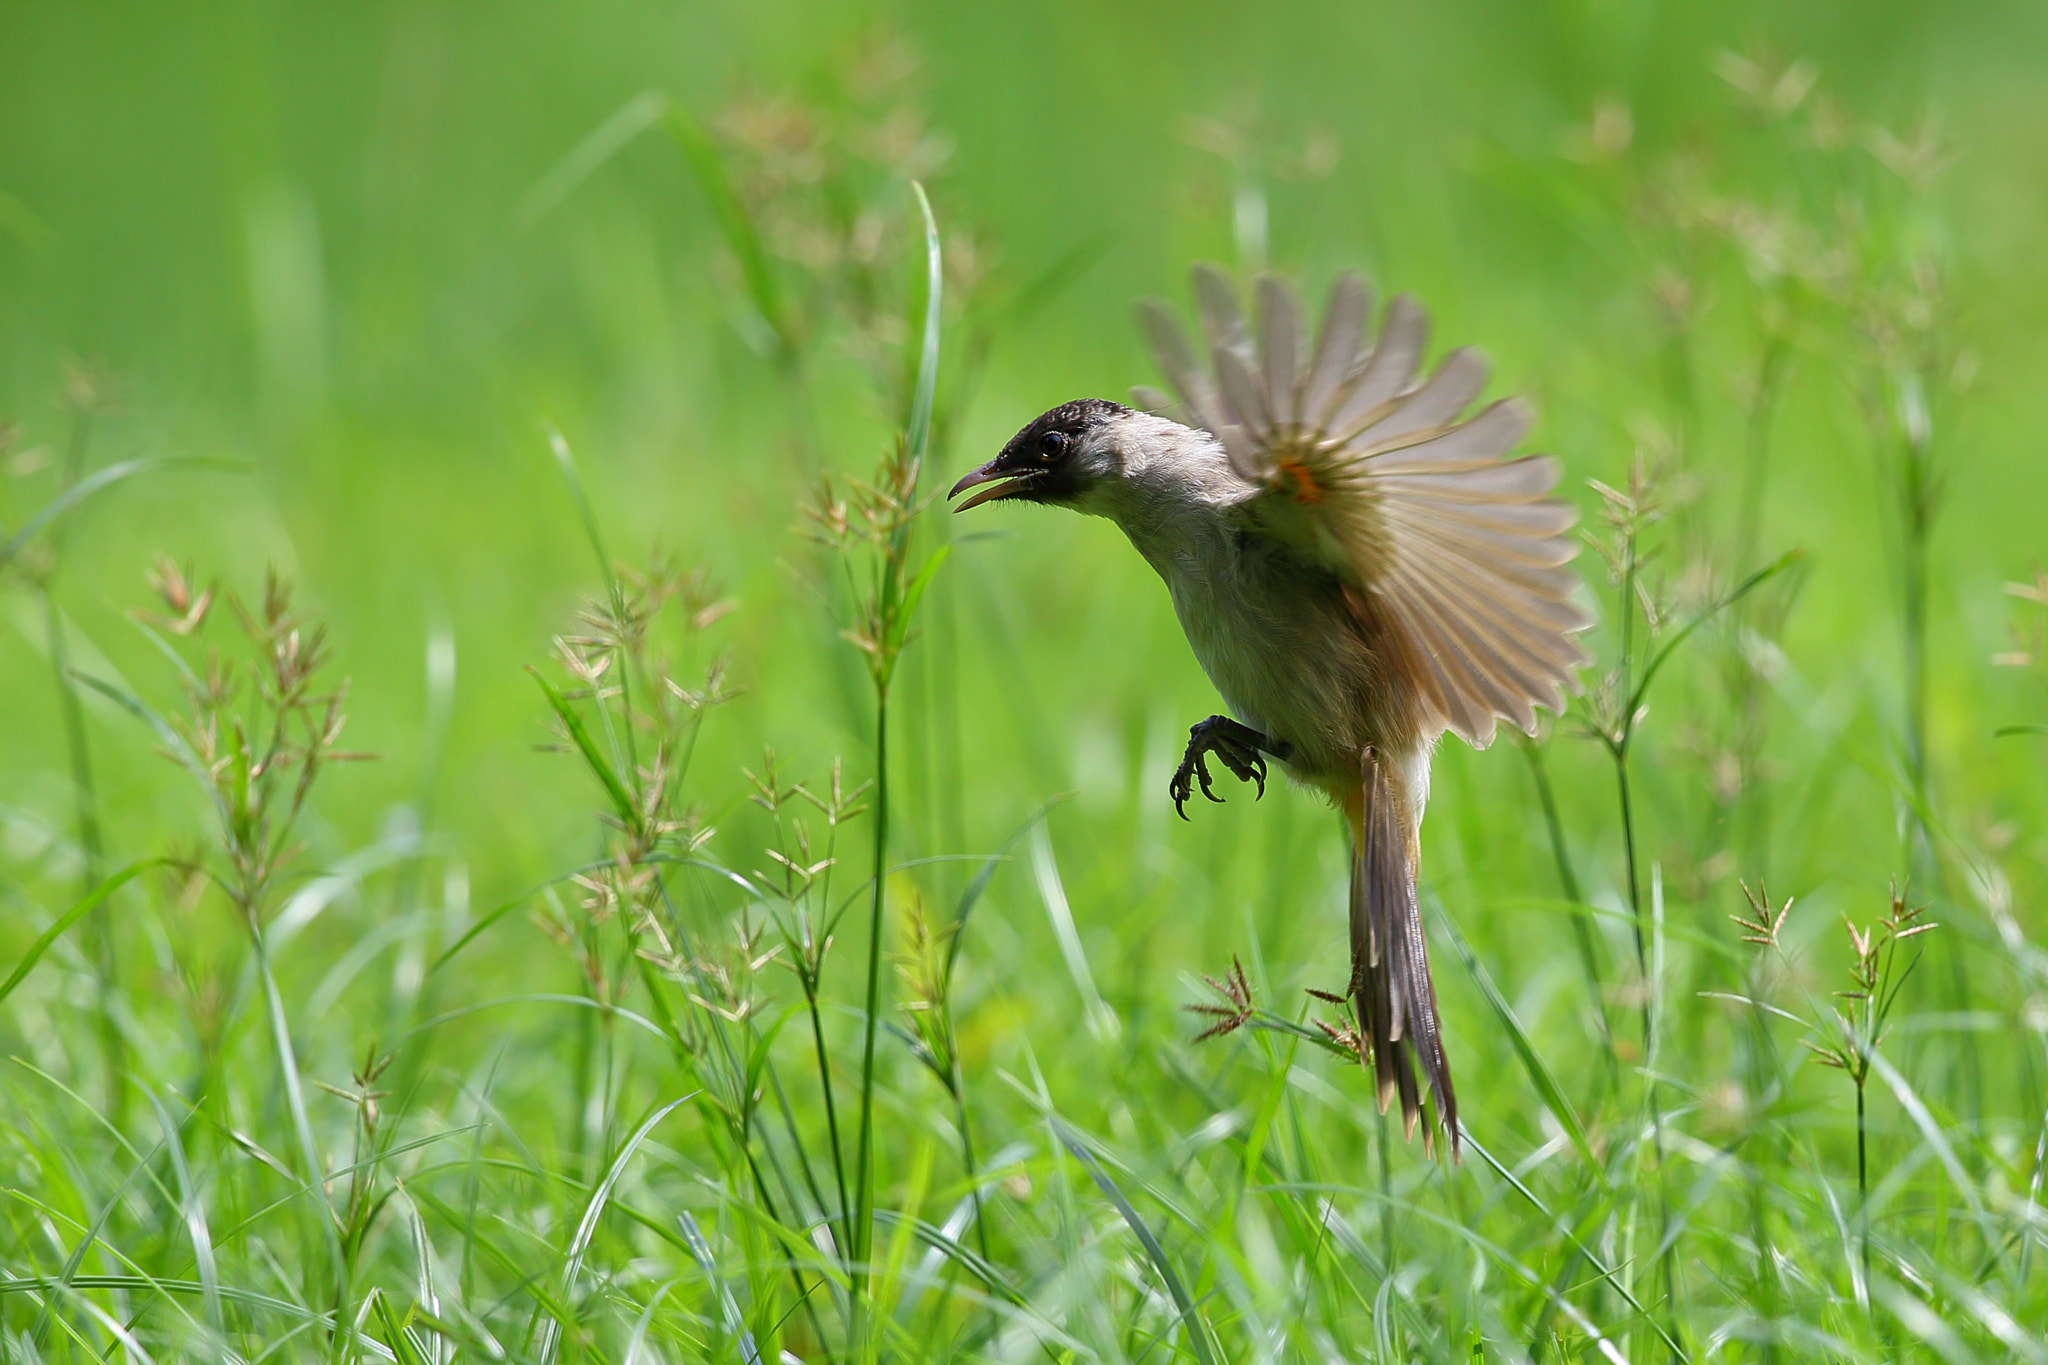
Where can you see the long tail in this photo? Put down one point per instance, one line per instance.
(1390, 981)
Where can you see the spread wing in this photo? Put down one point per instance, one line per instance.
(1450, 544)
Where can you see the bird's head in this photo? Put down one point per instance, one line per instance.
(1063, 458)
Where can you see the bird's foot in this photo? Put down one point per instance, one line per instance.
(1237, 746)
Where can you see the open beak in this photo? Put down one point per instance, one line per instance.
(1003, 482)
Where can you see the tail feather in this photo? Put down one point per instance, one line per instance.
(1390, 980)
(1378, 997)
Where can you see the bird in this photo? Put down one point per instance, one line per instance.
(1358, 565)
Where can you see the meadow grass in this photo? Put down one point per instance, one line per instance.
(872, 1006)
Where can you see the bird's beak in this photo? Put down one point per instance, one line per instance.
(1003, 480)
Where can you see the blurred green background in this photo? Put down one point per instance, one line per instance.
(289, 236)
(355, 250)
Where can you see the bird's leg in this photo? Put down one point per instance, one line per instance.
(1238, 746)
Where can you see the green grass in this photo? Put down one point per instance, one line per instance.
(741, 917)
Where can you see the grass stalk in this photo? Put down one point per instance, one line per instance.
(81, 398)
(845, 1234)
(1916, 516)
(1649, 986)
(787, 1113)
(739, 1125)
(1568, 883)
(92, 857)
(1918, 492)
(1628, 514)
(884, 632)
(1625, 800)
(308, 1149)
(1862, 1178)
(967, 1161)
(863, 1162)
(1386, 1163)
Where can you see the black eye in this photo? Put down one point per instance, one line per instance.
(1052, 445)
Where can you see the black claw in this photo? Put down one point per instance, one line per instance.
(1237, 746)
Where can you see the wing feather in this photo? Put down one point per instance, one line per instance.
(1453, 523)
(1522, 480)
(1443, 701)
(1247, 454)
(1543, 591)
(1279, 342)
(1483, 439)
(1545, 521)
(1503, 687)
(1448, 392)
(1539, 594)
(1343, 330)
(1170, 348)
(1467, 711)
(1222, 323)
(1242, 393)
(1145, 398)
(1511, 650)
(1452, 552)
(1389, 369)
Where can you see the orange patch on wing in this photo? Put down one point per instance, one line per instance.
(1306, 489)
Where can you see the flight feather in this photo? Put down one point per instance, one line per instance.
(1460, 548)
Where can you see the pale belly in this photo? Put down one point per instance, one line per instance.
(1279, 643)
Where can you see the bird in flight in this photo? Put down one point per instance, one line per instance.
(1358, 567)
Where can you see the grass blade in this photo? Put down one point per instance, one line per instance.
(1922, 1321)
(96, 482)
(984, 875)
(166, 733)
(598, 146)
(471, 934)
(142, 1284)
(919, 430)
(952, 1248)
(193, 1208)
(1532, 1062)
(1713, 609)
(69, 1274)
(302, 1130)
(1198, 1335)
(572, 1265)
(1930, 1129)
(565, 460)
(92, 901)
(579, 734)
(1563, 1229)
(1102, 1020)
(913, 593)
(742, 236)
(735, 1326)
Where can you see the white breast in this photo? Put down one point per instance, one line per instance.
(1274, 637)
(1272, 633)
